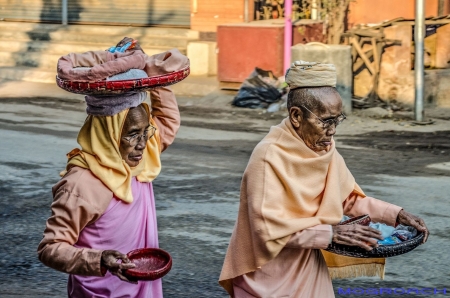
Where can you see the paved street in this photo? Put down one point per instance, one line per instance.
(198, 191)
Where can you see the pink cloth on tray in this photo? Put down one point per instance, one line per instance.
(123, 227)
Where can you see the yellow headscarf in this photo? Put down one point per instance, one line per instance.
(99, 139)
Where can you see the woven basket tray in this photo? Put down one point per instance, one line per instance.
(118, 87)
(382, 251)
(363, 220)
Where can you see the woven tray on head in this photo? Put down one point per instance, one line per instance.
(125, 86)
(382, 251)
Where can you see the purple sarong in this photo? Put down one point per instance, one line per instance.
(123, 227)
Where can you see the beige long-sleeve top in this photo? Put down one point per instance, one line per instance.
(300, 271)
(79, 199)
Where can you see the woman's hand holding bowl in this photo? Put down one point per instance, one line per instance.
(109, 261)
(356, 235)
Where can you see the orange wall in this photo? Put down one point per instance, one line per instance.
(375, 11)
(211, 13)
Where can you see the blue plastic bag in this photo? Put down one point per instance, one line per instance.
(120, 49)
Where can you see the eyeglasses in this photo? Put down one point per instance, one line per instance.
(327, 123)
(135, 139)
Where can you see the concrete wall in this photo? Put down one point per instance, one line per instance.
(443, 47)
(203, 57)
(396, 80)
(437, 87)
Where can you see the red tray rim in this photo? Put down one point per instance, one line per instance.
(122, 86)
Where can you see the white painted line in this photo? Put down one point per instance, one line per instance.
(440, 166)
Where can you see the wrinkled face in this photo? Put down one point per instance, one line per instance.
(311, 129)
(135, 125)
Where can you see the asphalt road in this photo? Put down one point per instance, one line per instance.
(197, 194)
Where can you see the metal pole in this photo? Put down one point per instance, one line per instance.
(64, 12)
(287, 34)
(419, 73)
(314, 10)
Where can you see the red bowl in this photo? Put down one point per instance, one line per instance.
(151, 264)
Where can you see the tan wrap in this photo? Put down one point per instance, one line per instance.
(100, 136)
(286, 188)
(311, 74)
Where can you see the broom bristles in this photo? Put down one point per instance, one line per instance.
(353, 271)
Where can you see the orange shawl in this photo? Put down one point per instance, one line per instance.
(286, 188)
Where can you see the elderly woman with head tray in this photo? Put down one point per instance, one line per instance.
(104, 205)
(295, 190)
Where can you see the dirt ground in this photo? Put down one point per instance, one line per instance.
(198, 191)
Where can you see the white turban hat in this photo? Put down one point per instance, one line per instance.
(311, 74)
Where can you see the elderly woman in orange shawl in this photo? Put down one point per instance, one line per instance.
(104, 207)
(294, 191)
